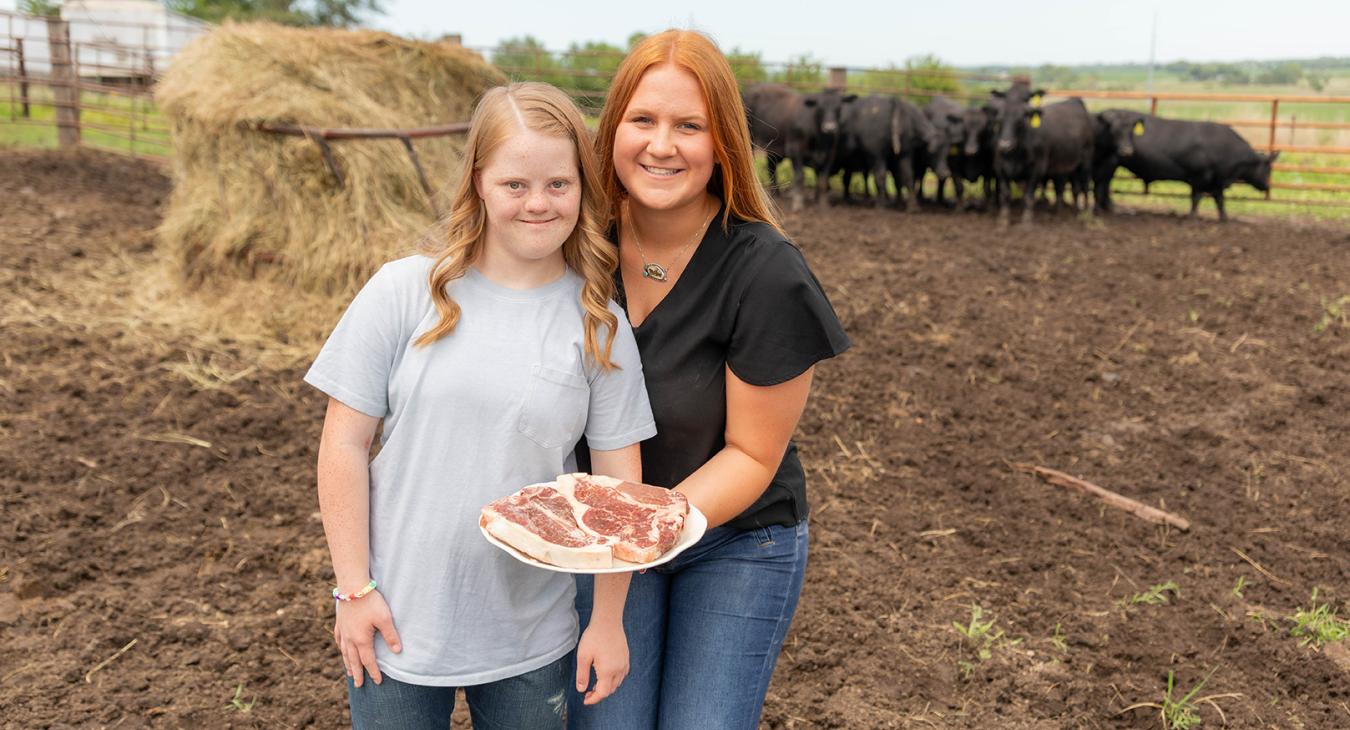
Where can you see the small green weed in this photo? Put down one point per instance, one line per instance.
(1237, 587)
(981, 636)
(1335, 312)
(1319, 625)
(238, 704)
(1059, 640)
(1156, 594)
(1183, 713)
(1260, 618)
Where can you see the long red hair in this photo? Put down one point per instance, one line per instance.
(734, 179)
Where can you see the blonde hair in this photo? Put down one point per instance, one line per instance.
(734, 179)
(499, 114)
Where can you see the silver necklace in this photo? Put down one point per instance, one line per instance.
(651, 269)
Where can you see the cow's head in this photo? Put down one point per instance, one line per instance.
(1123, 127)
(1257, 174)
(828, 105)
(1016, 120)
(979, 122)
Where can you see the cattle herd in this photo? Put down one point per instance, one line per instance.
(1011, 138)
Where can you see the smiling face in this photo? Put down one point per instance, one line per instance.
(531, 193)
(663, 145)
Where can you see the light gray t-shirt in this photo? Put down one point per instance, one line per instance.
(498, 404)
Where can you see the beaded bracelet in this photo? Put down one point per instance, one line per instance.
(353, 596)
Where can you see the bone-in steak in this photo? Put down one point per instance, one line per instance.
(639, 521)
(583, 521)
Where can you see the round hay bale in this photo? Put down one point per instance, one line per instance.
(263, 205)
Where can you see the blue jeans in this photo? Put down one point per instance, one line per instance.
(704, 632)
(530, 701)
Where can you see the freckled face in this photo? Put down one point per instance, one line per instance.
(663, 146)
(531, 190)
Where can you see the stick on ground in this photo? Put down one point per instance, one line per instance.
(1136, 508)
(109, 660)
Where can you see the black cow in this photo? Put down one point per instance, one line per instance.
(949, 119)
(977, 150)
(1115, 132)
(1038, 143)
(1208, 156)
(870, 142)
(923, 147)
(803, 128)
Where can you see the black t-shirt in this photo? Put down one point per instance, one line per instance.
(746, 299)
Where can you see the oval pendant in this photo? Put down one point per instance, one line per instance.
(654, 271)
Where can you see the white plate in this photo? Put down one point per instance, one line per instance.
(695, 524)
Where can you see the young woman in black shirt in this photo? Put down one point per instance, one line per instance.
(730, 322)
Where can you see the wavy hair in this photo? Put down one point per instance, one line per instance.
(734, 179)
(460, 238)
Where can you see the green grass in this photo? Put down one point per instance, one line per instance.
(1157, 594)
(1183, 712)
(1319, 625)
(238, 704)
(103, 110)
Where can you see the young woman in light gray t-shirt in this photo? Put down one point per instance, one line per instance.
(487, 357)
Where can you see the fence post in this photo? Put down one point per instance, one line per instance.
(1153, 105)
(1274, 115)
(65, 83)
(1293, 126)
(838, 78)
(23, 78)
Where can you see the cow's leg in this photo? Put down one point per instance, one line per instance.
(959, 190)
(1196, 195)
(1059, 193)
(879, 177)
(823, 186)
(1101, 192)
(1218, 201)
(1004, 198)
(908, 182)
(1029, 198)
(1085, 184)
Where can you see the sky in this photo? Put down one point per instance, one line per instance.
(878, 32)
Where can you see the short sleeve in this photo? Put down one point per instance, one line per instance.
(355, 363)
(784, 322)
(620, 414)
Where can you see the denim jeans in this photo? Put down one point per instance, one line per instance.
(704, 632)
(530, 701)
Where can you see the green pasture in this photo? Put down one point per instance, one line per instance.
(122, 117)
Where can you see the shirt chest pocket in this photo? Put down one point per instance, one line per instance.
(556, 404)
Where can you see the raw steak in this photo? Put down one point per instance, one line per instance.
(640, 522)
(538, 521)
(583, 521)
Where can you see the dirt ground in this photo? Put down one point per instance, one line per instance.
(162, 562)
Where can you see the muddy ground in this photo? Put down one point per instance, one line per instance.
(162, 562)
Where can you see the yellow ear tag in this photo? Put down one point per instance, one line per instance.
(1036, 101)
(1036, 121)
(954, 150)
(1138, 128)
